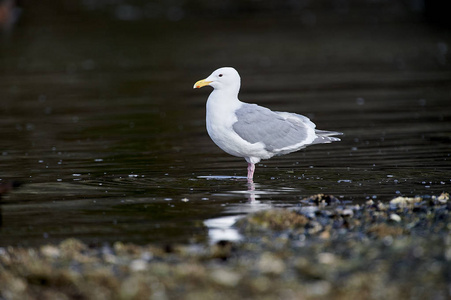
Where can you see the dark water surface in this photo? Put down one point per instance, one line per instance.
(99, 121)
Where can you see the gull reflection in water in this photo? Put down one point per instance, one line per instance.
(222, 229)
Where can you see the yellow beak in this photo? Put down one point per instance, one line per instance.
(201, 83)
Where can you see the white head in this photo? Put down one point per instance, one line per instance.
(225, 79)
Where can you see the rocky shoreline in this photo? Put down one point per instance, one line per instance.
(322, 249)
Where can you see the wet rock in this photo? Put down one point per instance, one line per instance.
(321, 199)
(73, 249)
(314, 227)
(395, 218)
(442, 199)
(383, 230)
(126, 249)
(270, 264)
(135, 287)
(222, 250)
(50, 251)
(327, 258)
(347, 212)
(308, 269)
(326, 233)
(261, 284)
(381, 206)
(319, 288)
(138, 265)
(309, 211)
(225, 277)
(405, 202)
(275, 219)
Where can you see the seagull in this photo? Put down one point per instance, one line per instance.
(252, 131)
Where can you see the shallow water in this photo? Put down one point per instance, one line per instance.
(99, 122)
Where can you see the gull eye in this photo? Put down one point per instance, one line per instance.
(220, 75)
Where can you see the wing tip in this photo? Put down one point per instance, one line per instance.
(327, 133)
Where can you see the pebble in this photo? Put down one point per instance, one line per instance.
(326, 258)
(270, 264)
(405, 201)
(225, 277)
(50, 251)
(138, 265)
(395, 217)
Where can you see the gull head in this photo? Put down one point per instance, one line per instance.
(226, 78)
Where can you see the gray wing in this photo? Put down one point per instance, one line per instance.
(259, 124)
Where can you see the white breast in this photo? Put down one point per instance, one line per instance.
(220, 119)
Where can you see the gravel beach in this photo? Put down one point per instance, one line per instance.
(322, 249)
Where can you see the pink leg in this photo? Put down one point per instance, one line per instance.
(250, 171)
